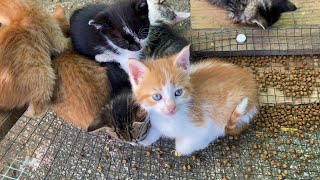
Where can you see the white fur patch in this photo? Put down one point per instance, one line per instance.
(130, 32)
(248, 116)
(242, 106)
(122, 57)
(154, 14)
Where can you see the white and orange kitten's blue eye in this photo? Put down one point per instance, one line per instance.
(178, 92)
(156, 97)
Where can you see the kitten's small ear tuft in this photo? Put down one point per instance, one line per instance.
(287, 6)
(261, 22)
(183, 58)
(137, 71)
(181, 16)
(101, 20)
(96, 25)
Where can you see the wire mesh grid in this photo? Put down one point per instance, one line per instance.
(281, 143)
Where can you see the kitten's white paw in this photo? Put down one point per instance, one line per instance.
(152, 136)
(104, 58)
(183, 147)
(188, 146)
(145, 143)
(133, 143)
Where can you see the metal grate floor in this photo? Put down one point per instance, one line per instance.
(49, 149)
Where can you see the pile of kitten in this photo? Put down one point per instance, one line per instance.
(123, 68)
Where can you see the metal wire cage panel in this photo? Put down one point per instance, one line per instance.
(281, 143)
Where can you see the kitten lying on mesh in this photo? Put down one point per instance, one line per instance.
(261, 12)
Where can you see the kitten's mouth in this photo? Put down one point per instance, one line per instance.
(169, 113)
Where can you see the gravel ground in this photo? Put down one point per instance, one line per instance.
(71, 5)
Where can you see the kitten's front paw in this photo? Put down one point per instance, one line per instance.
(185, 147)
(104, 58)
(133, 143)
(145, 143)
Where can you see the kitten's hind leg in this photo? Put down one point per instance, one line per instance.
(104, 58)
(152, 136)
(36, 109)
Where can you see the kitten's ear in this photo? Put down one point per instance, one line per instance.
(183, 58)
(100, 120)
(137, 125)
(95, 24)
(101, 20)
(137, 71)
(97, 124)
(181, 16)
(287, 6)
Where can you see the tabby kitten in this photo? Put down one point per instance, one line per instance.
(122, 119)
(193, 104)
(261, 12)
(163, 40)
(28, 39)
(110, 32)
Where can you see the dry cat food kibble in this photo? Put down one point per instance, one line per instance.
(295, 76)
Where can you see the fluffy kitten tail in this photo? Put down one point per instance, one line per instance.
(240, 118)
(40, 83)
(60, 16)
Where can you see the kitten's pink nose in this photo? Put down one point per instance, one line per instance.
(171, 109)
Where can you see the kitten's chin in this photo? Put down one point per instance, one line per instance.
(171, 113)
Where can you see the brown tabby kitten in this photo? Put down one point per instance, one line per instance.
(28, 39)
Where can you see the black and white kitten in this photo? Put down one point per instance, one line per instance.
(262, 12)
(119, 30)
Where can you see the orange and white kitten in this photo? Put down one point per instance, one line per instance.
(193, 104)
(28, 39)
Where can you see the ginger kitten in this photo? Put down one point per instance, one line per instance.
(82, 88)
(28, 39)
(193, 104)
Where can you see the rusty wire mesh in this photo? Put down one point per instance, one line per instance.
(282, 142)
